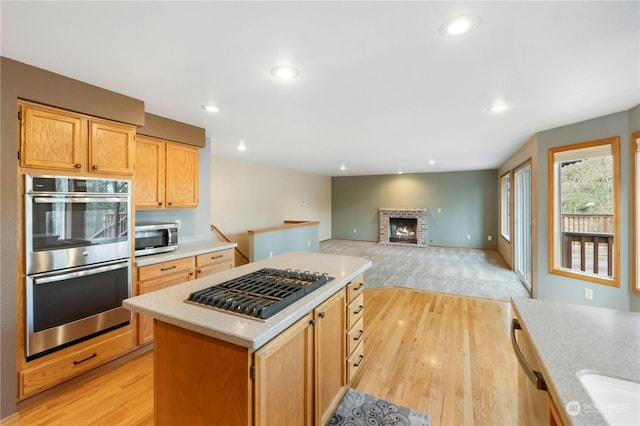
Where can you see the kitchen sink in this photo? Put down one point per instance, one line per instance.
(617, 400)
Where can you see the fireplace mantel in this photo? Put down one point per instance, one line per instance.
(386, 213)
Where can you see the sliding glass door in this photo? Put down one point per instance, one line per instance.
(522, 224)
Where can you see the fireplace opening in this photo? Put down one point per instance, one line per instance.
(402, 230)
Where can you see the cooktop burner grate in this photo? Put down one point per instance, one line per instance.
(260, 294)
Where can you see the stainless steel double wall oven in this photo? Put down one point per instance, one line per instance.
(78, 259)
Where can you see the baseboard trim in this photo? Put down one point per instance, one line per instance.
(11, 420)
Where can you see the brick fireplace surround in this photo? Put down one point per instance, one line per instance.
(421, 230)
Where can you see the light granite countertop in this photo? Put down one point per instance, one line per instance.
(168, 304)
(186, 249)
(573, 339)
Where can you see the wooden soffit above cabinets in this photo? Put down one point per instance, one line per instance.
(171, 130)
(30, 83)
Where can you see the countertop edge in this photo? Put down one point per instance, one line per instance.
(188, 249)
(551, 387)
(570, 339)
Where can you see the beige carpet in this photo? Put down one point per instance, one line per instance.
(461, 271)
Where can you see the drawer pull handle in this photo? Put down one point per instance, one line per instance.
(169, 268)
(359, 335)
(86, 359)
(216, 257)
(360, 358)
(356, 312)
(360, 286)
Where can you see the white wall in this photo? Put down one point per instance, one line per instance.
(248, 196)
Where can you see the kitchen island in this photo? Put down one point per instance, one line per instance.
(214, 367)
(574, 340)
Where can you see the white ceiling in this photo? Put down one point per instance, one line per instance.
(380, 90)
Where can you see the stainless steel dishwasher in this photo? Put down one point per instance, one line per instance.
(533, 403)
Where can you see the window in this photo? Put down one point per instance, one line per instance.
(636, 147)
(505, 206)
(584, 213)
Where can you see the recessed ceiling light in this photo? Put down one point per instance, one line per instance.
(210, 108)
(432, 162)
(399, 172)
(284, 72)
(458, 25)
(499, 107)
(242, 146)
(342, 167)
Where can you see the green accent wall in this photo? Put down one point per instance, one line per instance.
(571, 290)
(458, 204)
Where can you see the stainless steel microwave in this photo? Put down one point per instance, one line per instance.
(152, 238)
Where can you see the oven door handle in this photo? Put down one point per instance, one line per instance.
(84, 200)
(52, 278)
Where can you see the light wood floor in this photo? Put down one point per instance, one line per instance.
(446, 355)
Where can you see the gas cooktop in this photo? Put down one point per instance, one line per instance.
(260, 294)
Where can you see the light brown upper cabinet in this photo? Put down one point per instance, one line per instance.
(111, 147)
(166, 174)
(55, 139)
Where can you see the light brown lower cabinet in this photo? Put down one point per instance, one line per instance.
(210, 263)
(156, 277)
(296, 378)
(62, 365)
(283, 377)
(355, 327)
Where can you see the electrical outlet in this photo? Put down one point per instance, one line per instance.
(588, 294)
(179, 223)
(489, 238)
(355, 231)
(309, 243)
(270, 253)
(439, 210)
(468, 237)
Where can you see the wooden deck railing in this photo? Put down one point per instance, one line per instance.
(587, 243)
(587, 223)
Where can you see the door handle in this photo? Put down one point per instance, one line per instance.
(535, 376)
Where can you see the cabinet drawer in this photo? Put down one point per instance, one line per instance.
(355, 361)
(354, 288)
(214, 257)
(355, 310)
(46, 375)
(164, 268)
(212, 269)
(355, 335)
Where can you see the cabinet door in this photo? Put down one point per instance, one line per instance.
(182, 176)
(150, 173)
(283, 374)
(111, 148)
(330, 371)
(145, 324)
(51, 139)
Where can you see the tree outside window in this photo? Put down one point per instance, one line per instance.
(584, 221)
